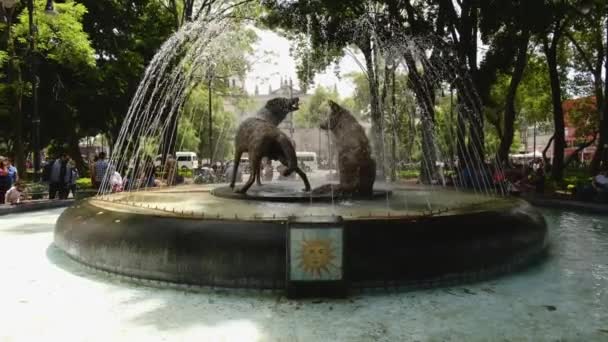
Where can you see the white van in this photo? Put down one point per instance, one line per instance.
(185, 161)
(308, 160)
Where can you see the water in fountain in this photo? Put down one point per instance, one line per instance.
(149, 128)
(190, 55)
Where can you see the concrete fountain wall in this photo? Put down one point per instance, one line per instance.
(421, 250)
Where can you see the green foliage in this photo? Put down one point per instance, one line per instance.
(532, 102)
(188, 138)
(582, 115)
(64, 59)
(361, 97)
(93, 53)
(125, 36)
(187, 173)
(60, 36)
(196, 114)
(84, 183)
(316, 108)
(3, 58)
(36, 190)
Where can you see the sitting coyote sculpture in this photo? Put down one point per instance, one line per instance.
(356, 166)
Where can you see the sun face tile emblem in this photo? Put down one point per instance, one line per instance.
(316, 254)
(316, 257)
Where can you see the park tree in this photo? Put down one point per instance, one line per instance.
(563, 15)
(62, 56)
(531, 103)
(326, 28)
(125, 36)
(509, 29)
(194, 129)
(376, 28)
(587, 39)
(208, 117)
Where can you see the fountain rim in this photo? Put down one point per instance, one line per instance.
(113, 202)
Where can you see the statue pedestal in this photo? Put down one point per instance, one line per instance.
(284, 193)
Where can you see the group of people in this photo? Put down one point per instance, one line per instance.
(530, 178)
(12, 190)
(596, 190)
(61, 175)
(514, 179)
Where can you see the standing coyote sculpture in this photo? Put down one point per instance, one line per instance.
(260, 137)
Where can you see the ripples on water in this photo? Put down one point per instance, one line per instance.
(578, 257)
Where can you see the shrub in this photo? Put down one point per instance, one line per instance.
(37, 190)
(185, 173)
(409, 174)
(84, 183)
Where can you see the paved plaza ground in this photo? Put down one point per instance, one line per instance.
(47, 297)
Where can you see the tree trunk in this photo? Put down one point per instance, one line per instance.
(572, 157)
(545, 159)
(559, 143)
(600, 159)
(604, 117)
(467, 51)
(188, 9)
(19, 151)
(425, 98)
(394, 135)
(15, 93)
(461, 150)
(74, 152)
(509, 120)
(376, 113)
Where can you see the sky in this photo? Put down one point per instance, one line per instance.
(282, 65)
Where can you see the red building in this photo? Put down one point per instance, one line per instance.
(581, 113)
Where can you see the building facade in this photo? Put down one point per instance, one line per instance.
(536, 137)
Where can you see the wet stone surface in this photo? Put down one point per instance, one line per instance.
(281, 193)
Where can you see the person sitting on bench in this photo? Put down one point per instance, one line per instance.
(15, 194)
(600, 182)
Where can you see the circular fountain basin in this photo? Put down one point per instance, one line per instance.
(414, 237)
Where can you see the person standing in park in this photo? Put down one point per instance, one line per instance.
(74, 175)
(4, 179)
(60, 177)
(99, 170)
(13, 174)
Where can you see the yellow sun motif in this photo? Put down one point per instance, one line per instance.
(316, 256)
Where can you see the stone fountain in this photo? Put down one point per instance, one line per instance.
(275, 235)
